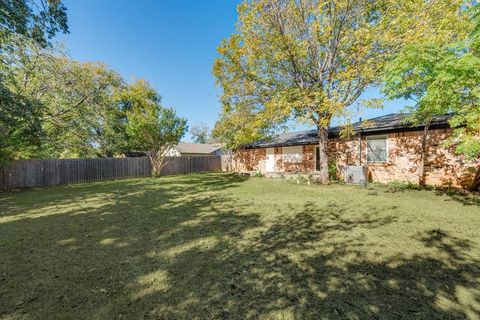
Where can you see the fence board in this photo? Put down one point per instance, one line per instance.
(185, 165)
(36, 173)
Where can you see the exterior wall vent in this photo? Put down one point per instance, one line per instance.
(355, 174)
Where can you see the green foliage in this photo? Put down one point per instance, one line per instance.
(20, 131)
(156, 129)
(34, 22)
(52, 106)
(474, 12)
(258, 174)
(201, 133)
(308, 61)
(332, 170)
(84, 118)
(150, 127)
(309, 179)
(442, 78)
(396, 186)
(68, 109)
(76, 102)
(38, 20)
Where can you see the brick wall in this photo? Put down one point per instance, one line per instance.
(249, 160)
(254, 160)
(442, 166)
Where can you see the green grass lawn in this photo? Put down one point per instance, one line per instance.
(215, 246)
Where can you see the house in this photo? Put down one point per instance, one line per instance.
(388, 148)
(195, 149)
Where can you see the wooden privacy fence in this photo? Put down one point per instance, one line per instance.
(37, 173)
(191, 164)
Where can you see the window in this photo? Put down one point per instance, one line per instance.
(292, 154)
(377, 149)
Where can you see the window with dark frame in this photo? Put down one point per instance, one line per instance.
(377, 148)
(292, 154)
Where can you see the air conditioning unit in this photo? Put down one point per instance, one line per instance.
(355, 174)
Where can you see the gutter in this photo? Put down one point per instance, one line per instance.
(362, 131)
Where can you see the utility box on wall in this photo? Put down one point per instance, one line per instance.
(355, 174)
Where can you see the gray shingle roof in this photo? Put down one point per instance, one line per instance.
(200, 148)
(390, 122)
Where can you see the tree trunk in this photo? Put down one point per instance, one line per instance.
(151, 157)
(323, 151)
(157, 161)
(476, 182)
(421, 168)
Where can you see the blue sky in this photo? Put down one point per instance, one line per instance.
(172, 44)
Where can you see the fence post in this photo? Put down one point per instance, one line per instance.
(32, 173)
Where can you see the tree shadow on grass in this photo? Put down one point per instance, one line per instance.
(187, 249)
(267, 278)
(25, 201)
(283, 273)
(464, 197)
(79, 253)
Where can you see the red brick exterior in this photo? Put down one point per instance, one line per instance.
(442, 166)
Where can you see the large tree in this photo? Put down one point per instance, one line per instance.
(442, 78)
(82, 109)
(20, 116)
(38, 20)
(34, 21)
(75, 103)
(201, 133)
(20, 127)
(83, 117)
(309, 60)
(150, 127)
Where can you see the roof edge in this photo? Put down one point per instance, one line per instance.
(309, 136)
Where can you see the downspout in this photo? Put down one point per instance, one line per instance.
(359, 161)
(421, 170)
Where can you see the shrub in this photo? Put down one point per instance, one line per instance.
(332, 171)
(396, 186)
(258, 174)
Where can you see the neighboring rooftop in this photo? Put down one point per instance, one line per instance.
(184, 148)
(198, 148)
(388, 123)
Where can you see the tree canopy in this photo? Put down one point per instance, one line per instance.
(63, 108)
(442, 78)
(33, 22)
(38, 20)
(150, 127)
(310, 60)
(52, 106)
(201, 133)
